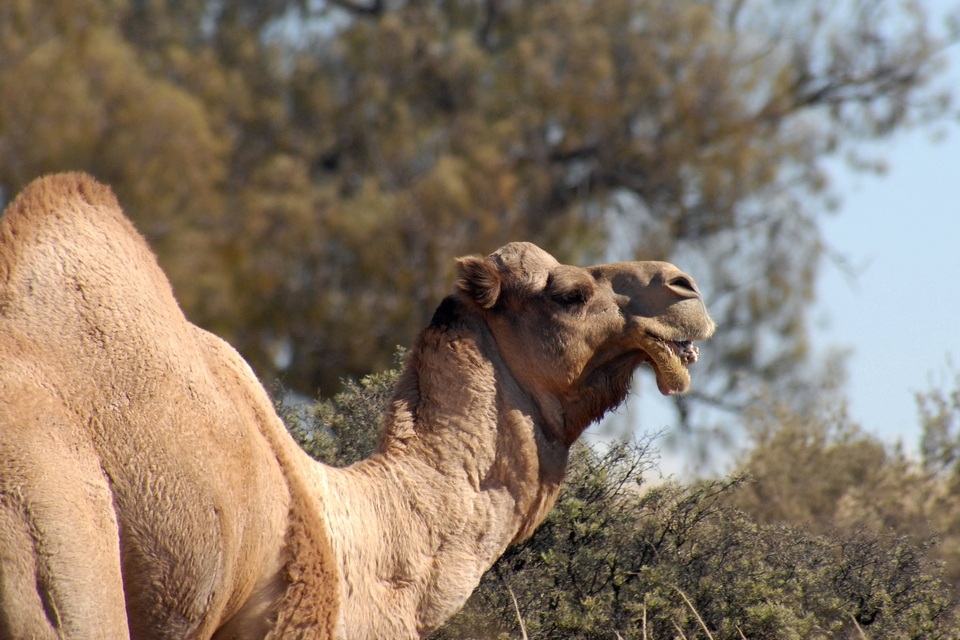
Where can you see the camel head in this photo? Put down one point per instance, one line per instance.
(574, 336)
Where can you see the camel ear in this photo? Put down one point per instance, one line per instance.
(479, 278)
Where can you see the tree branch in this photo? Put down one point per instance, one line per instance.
(375, 8)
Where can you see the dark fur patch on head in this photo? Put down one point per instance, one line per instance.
(447, 314)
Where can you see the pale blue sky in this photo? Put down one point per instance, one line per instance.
(900, 314)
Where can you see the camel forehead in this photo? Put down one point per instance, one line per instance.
(525, 260)
(531, 266)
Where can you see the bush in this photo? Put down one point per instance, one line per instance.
(619, 559)
(613, 561)
(344, 429)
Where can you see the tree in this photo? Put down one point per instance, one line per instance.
(816, 469)
(306, 170)
(939, 410)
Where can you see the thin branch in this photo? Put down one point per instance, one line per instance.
(516, 607)
(692, 608)
(859, 628)
(375, 8)
(490, 17)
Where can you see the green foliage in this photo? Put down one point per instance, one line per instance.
(673, 559)
(806, 467)
(937, 500)
(308, 171)
(619, 558)
(940, 418)
(344, 429)
(816, 469)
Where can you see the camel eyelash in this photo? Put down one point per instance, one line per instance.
(570, 298)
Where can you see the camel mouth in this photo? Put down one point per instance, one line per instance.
(669, 360)
(685, 350)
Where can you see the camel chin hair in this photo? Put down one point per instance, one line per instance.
(148, 488)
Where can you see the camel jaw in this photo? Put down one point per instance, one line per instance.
(669, 360)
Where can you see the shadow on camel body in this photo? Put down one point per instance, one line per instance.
(149, 490)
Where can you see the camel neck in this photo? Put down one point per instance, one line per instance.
(463, 470)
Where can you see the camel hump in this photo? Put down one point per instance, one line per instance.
(60, 200)
(57, 191)
(69, 257)
(51, 209)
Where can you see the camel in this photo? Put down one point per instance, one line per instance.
(148, 489)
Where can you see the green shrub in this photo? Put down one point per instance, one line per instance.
(613, 560)
(617, 558)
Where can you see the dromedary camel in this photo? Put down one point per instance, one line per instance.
(148, 489)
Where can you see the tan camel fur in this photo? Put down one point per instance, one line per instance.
(149, 490)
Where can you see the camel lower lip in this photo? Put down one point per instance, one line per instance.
(685, 350)
(670, 360)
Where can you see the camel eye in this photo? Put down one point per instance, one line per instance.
(571, 298)
(569, 287)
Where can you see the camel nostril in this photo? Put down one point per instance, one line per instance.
(682, 282)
